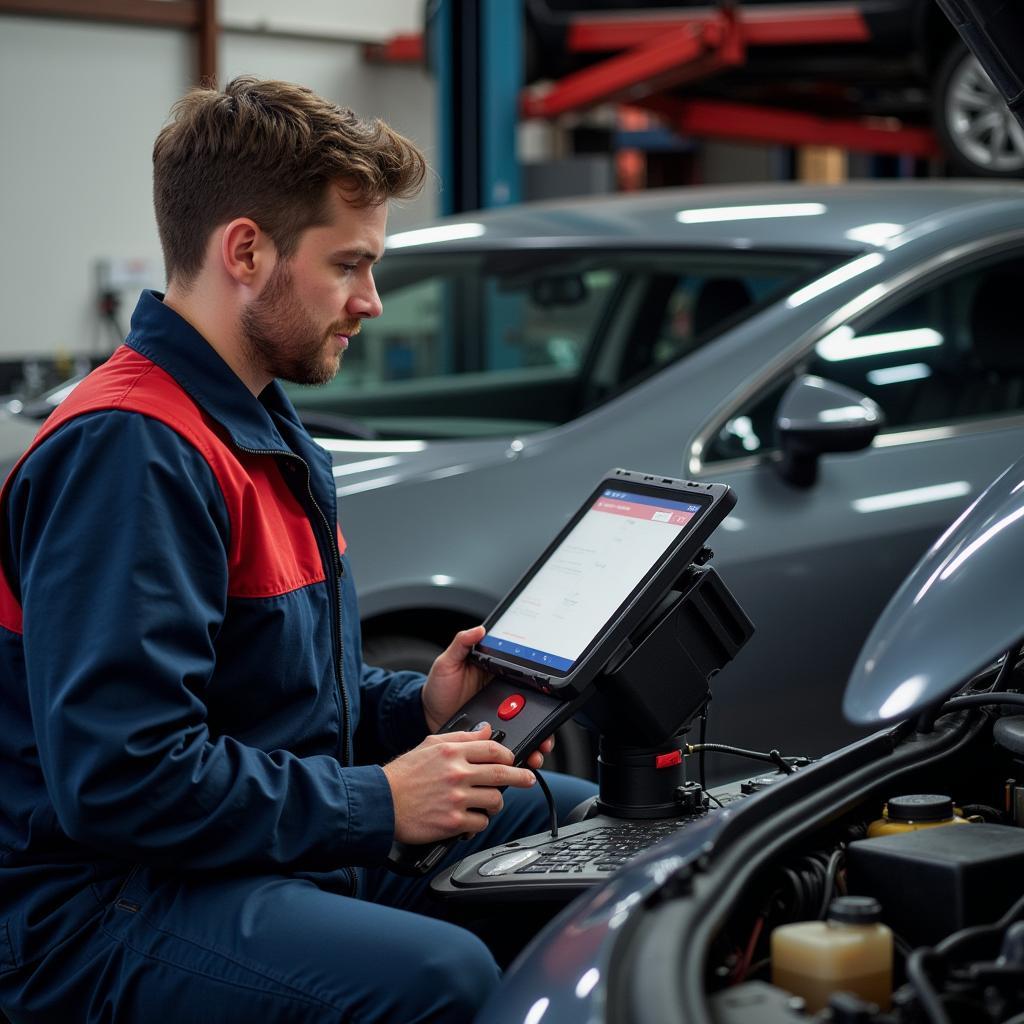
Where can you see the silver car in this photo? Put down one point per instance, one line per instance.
(745, 335)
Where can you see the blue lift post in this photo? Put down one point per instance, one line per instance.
(476, 55)
(475, 51)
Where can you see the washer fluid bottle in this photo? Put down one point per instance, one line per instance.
(851, 951)
(916, 811)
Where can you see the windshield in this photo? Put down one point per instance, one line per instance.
(501, 343)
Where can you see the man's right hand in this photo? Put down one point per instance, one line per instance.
(448, 785)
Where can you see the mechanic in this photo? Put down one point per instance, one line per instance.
(194, 817)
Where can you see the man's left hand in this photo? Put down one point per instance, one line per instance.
(453, 681)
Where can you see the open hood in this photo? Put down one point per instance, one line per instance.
(961, 607)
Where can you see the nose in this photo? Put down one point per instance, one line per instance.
(365, 302)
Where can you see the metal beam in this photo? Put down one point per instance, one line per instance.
(782, 25)
(500, 82)
(163, 13)
(749, 123)
(208, 39)
(199, 16)
(680, 55)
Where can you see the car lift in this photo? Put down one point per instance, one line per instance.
(649, 55)
(657, 53)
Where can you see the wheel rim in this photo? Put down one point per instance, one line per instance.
(979, 122)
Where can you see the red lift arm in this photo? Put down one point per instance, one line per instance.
(655, 52)
(650, 54)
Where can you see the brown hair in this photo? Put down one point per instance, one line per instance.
(267, 150)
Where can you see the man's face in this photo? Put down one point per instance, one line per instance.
(299, 326)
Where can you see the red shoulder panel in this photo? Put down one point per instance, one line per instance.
(272, 547)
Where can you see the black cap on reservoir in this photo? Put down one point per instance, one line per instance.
(920, 807)
(855, 910)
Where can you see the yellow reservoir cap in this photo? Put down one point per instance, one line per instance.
(915, 811)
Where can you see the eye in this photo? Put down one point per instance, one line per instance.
(349, 268)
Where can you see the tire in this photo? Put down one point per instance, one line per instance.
(398, 652)
(575, 750)
(977, 131)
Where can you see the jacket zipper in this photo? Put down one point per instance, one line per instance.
(337, 636)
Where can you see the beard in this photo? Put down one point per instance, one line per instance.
(281, 338)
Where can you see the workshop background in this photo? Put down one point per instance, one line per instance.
(510, 99)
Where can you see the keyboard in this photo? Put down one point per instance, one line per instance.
(599, 850)
(545, 867)
(559, 868)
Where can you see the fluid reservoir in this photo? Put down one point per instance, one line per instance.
(919, 810)
(849, 952)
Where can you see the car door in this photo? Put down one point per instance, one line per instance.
(944, 358)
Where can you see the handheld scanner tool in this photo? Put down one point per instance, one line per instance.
(576, 606)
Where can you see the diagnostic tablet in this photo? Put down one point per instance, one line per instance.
(597, 580)
(612, 565)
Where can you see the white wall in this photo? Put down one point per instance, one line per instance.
(80, 106)
(345, 19)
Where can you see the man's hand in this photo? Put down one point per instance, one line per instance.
(448, 785)
(452, 681)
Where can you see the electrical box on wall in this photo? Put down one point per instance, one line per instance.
(118, 274)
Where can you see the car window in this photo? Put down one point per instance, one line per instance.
(518, 340)
(949, 353)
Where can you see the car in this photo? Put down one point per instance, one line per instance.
(905, 61)
(523, 352)
(922, 818)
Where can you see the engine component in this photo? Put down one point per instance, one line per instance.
(915, 811)
(959, 877)
(850, 952)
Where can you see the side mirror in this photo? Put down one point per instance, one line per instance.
(817, 416)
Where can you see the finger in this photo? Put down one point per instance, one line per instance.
(489, 752)
(497, 775)
(458, 650)
(535, 760)
(547, 746)
(475, 822)
(521, 778)
(464, 736)
(487, 800)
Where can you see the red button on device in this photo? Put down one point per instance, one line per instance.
(511, 706)
(668, 760)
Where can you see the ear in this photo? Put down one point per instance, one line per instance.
(246, 251)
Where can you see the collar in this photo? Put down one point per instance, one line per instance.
(170, 341)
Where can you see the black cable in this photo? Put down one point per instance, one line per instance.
(703, 736)
(551, 802)
(918, 979)
(830, 882)
(714, 798)
(1006, 669)
(917, 974)
(983, 811)
(971, 700)
(772, 757)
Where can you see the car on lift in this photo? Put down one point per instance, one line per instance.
(908, 62)
(522, 352)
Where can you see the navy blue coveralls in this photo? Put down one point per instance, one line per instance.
(192, 816)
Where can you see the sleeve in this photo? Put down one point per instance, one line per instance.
(119, 546)
(391, 716)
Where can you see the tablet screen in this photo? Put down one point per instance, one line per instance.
(577, 590)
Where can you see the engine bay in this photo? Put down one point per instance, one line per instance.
(938, 848)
